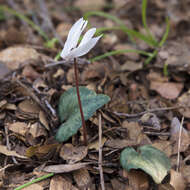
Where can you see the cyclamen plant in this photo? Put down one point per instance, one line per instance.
(71, 51)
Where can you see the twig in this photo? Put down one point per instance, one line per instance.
(50, 108)
(111, 152)
(100, 153)
(187, 158)
(148, 111)
(8, 144)
(5, 167)
(156, 134)
(106, 131)
(79, 102)
(179, 143)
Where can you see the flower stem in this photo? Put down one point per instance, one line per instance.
(79, 102)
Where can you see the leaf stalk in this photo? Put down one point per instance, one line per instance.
(79, 101)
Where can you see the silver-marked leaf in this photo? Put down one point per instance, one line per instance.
(149, 159)
(69, 112)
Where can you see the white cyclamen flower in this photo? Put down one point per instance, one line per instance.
(70, 50)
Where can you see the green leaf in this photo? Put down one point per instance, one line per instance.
(149, 159)
(144, 8)
(165, 36)
(69, 110)
(165, 70)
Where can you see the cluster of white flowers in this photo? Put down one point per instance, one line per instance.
(70, 50)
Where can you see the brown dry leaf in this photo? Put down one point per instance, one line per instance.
(3, 104)
(10, 107)
(135, 133)
(5, 151)
(41, 151)
(20, 128)
(34, 186)
(86, 5)
(65, 168)
(94, 71)
(116, 184)
(30, 73)
(95, 144)
(13, 57)
(109, 39)
(165, 187)
(138, 179)
(176, 55)
(118, 4)
(155, 76)
(91, 86)
(134, 130)
(185, 170)
(130, 66)
(59, 73)
(60, 183)
(66, 87)
(165, 146)
(2, 115)
(150, 120)
(29, 106)
(73, 154)
(168, 90)
(133, 92)
(119, 99)
(82, 178)
(185, 137)
(108, 118)
(43, 120)
(36, 130)
(14, 36)
(177, 180)
(94, 120)
(184, 100)
(40, 83)
(70, 75)
(120, 143)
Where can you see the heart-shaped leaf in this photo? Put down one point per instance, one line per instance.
(149, 159)
(69, 112)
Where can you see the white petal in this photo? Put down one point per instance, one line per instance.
(77, 33)
(64, 52)
(73, 37)
(78, 24)
(85, 48)
(88, 35)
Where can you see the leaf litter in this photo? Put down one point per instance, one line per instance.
(145, 106)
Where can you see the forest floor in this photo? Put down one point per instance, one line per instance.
(149, 103)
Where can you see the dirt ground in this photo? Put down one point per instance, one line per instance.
(150, 103)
